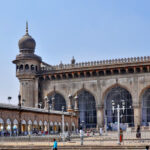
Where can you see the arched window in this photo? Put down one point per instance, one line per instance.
(118, 95)
(26, 67)
(32, 67)
(146, 107)
(58, 101)
(17, 67)
(87, 109)
(21, 67)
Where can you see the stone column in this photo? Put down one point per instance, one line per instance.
(69, 103)
(76, 103)
(36, 99)
(137, 114)
(100, 115)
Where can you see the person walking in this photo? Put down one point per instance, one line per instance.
(121, 135)
(101, 131)
(55, 145)
(81, 136)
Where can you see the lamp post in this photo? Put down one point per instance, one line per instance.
(9, 98)
(81, 132)
(63, 136)
(118, 108)
(47, 101)
(19, 98)
(20, 105)
(106, 122)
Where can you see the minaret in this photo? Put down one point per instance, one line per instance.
(27, 67)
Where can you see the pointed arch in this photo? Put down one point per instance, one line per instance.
(58, 100)
(118, 94)
(84, 89)
(145, 106)
(15, 122)
(87, 109)
(142, 92)
(29, 122)
(104, 94)
(23, 122)
(8, 121)
(40, 123)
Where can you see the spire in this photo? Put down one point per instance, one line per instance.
(26, 27)
(73, 61)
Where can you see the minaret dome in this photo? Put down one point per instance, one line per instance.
(27, 43)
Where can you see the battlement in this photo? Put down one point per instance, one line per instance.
(46, 67)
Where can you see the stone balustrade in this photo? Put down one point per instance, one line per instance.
(45, 67)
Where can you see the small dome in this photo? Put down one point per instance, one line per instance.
(27, 42)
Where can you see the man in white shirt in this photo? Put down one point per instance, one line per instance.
(101, 131)
(81, 136)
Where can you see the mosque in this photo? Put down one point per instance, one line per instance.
(88, 91)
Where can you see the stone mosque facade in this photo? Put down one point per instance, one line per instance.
(86, 88)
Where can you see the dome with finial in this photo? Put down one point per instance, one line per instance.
(27, 43)
(73, 61)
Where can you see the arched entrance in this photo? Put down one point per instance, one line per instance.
(119, 94)
(146, 107)
(45, 127)
(57, 101)
(51, 127)
(15, 127)
(8, 127)
(29, 127)
(23, 127)
(87, 109)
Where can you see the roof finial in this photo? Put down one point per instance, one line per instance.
(26, 27)
(73, 61)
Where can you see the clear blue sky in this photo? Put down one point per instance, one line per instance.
(87, 29)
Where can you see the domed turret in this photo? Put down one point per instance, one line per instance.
(27, 43)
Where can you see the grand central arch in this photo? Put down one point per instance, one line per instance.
(119, 94)
(146, 107)
(87, 109)
(56, 100)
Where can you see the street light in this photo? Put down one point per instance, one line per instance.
(118, 108)
(20, 105)
(48, 102)
(9, 98)
(81, 133)
(63, 137)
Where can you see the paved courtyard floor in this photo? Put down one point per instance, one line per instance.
(106, 140)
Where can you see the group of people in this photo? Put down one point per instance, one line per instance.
(138, 135)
